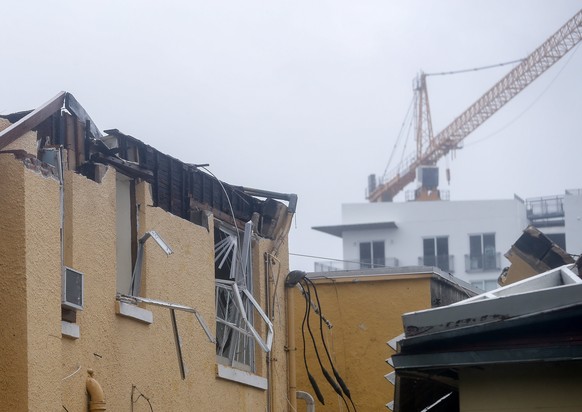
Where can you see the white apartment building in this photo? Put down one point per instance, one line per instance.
(465, 238)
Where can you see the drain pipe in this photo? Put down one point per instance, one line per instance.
(308, 400)
(96, 395)
(291, 281)
(270, 380)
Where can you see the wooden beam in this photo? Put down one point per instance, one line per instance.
(31, 120)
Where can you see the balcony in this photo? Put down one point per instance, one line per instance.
(446, 263)
(328, 266)
(546, 211)
(483, 263)
(376, 263)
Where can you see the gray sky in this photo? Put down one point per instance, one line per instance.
(305, 96)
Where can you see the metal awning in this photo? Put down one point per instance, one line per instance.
(338, 230)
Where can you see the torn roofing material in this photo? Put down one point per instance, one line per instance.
(549, 291)
(535, 320)
(177, 187)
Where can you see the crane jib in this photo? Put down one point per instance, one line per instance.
(430, 149)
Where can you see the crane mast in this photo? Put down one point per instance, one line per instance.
(430, 149)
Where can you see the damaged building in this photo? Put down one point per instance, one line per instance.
(133, 281)
(516, 348)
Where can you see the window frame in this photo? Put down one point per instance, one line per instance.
(374, 248)
(234, 302)
(442, 261)
(484, 260)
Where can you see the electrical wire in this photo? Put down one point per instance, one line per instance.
(68, 376)
(316, 309)
(358, 262)
(275, 301)
(229, 205)
(326, 374)
(309, 376)
(339, 379)
(141, 395)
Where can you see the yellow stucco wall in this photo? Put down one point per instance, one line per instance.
(522, 388)
(365, 315)
(40, 369)
(13, 304)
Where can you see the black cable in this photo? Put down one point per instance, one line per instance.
(309, 376)
(326, 374)
(339, 379)
(141, 395)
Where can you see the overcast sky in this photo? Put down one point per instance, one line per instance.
(305, 97)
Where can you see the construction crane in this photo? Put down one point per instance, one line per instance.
(430, 148)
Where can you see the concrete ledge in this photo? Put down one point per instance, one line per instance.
(240, 376)
(70, 330)
(134, 312)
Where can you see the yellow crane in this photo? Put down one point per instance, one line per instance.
(430, 148)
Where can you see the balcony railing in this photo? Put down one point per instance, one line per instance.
(329, 266)
(375, 263)
(483, 263)
(445, 263)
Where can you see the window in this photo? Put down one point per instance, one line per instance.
(482, 253)
(126, 228)
(436, 252)
(72, 289)
(235, 305)
(372, 255)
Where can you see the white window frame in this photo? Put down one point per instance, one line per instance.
(372, 263)
(235, 305)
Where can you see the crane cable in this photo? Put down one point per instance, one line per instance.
(404, 121)
(475, 69)
(398, 139)
(575, 49)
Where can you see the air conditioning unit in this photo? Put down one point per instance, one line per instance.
(72, 290)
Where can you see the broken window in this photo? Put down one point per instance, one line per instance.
(235, 306)
(372, 255)
(436, 253)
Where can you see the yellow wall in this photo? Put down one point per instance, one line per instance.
(40, 369)
(365, 315)
(522, 388)
(13, 304)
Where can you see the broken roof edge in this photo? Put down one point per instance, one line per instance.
(291, 198)
(242, 204)
(545, 294)
(63, 100)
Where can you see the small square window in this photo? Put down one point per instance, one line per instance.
(72, 289)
